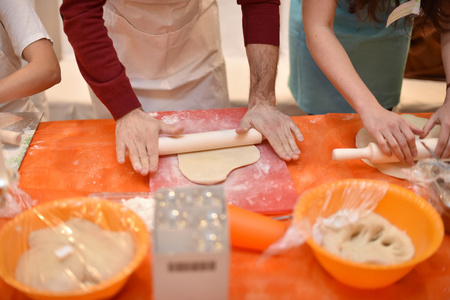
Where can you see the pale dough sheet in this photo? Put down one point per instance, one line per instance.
(213, 166)
(363, 138)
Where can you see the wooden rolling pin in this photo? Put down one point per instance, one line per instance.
(207, 141)
(373, 153)
(10, 137)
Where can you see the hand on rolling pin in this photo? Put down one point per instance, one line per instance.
(139, 133)
(393, 134)
(275, 126)
(441, 117)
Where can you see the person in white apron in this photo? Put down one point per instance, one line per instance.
(184, 76)
(172, 56)
(22, 36)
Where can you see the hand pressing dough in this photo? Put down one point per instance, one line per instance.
(398, 170)
(370, 239)
(213, 166)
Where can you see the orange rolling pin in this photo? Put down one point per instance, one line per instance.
(253, 231)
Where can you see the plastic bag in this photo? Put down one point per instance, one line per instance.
(14, 200)
(345, 204)
(68, 246)
(434, 175)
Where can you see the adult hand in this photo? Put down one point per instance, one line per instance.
(277, 127)
(139, 133)
(441, 117)
(393, 134)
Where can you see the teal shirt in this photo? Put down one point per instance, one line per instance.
(377, 53)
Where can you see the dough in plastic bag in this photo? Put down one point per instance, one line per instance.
(369, 239)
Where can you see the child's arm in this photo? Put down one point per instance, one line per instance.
(41, 73)
(388, 128)
(442, 115)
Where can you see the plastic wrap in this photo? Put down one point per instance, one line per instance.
(14, 200)
(341, 205)
(77, 246)
(434, 175)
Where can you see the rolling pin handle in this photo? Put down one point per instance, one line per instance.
(351, 153)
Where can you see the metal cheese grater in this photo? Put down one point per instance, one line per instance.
(190, 244)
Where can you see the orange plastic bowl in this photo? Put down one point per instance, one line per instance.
(107, 214)
(401, 207)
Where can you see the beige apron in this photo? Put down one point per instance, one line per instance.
(171, 51)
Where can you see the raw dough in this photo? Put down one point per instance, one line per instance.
(363, 138)
(369, 239)
(41, 269)
(213, 166)
(93, 255)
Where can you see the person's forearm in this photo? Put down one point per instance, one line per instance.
(334, 62)
(263, 60)
(41, 73)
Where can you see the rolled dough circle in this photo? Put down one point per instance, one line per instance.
(213, 166)
(398, 170)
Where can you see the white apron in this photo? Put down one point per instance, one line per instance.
(171, 52)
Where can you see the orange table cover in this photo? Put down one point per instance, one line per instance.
(77, 158)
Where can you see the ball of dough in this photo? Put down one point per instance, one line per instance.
(41, 268)
(369, 239)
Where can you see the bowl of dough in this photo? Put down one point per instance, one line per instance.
(77, 248)
(368, 234)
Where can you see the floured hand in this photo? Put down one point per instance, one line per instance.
(393, 134)
(138, 132)
(277, 127)
(441, 117)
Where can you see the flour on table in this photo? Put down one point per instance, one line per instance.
(398, 170)
(213, 166)
(143, 207)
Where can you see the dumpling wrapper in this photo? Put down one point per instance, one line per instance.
(398, 170)
(213, 166)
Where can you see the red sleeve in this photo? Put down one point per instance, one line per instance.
(96, 56)
(261, 21)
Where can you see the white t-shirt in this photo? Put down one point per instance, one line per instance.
(19, 27)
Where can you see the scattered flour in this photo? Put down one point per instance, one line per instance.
(144, 208)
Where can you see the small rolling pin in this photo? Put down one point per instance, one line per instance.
(207, 141)
(373, 153)
(10, 137)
